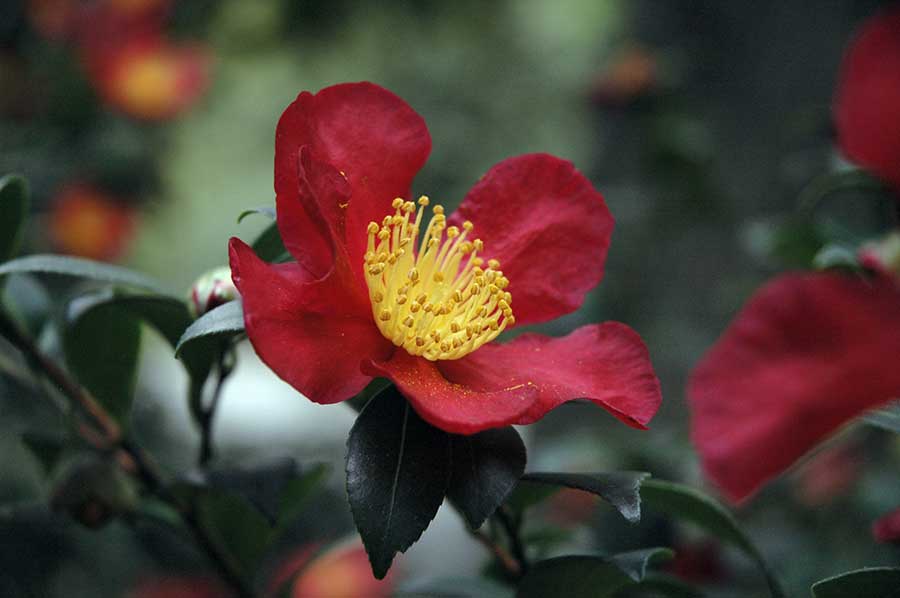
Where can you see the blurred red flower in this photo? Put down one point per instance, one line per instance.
(887, 528)
(342, 571)
(149, 77)
(867, 99)
(87, 222)
(179, 587)
(361, 301)
(808, 353)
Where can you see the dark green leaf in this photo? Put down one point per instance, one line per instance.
(874, 582)
(298, 490)
(13, 212)
(886, 419)
(101, 344)
(45, 448)
(237, 526)
(455, 587)
(398, 469)
(270, 487)
(263, 211)
(80, 268)
(683, 502)
(269, 246)
(621, 489)
(588, 576)
(528, 494)
(486, 467)
(222, 322)
(27, 301)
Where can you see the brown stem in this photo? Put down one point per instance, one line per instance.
(111, 436)
(509, 564)
(512, 526)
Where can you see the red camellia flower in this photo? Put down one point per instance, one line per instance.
(368, 298)
(807, 354)
(867, 101)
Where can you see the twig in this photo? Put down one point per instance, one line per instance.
(207, 414)
(112, 437)
(511, 528)
(509, 564)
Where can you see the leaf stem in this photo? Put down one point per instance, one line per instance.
(510, 566)
(512, 526)
(111, 437)
(207, 413)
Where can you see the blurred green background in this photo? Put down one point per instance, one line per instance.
(699, 121)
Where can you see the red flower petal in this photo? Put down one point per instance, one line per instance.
(807, 354)
(452, 407)
(607, 364)
(369, 134)
(549, 228)
(312, 333)
(867, 99)
(887, 527)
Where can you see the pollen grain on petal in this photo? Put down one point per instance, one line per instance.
(440, 301)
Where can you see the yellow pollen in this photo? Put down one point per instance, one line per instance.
(440, 300)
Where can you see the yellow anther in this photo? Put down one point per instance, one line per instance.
(458, 304)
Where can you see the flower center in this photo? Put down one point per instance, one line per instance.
(437, 302)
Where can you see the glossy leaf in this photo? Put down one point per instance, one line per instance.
(621, 489)
(272, 488)
(236, 525)
(77, 267)
(262, 211)
(101, 343)
(685, 503)
(588, 576)
(486, 467)
(874, 582)
(886, 419)
(13, 213)
(398, 469)
(221, 322)
(657, 585)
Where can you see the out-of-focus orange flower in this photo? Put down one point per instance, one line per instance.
(150, 78)
(632, 73)
(179, 587)
(87, 222)
(55, 20)
(887, 528)
(570, 507)
(342, 571)
(697, 562)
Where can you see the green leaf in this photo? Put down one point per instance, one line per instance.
(13, 213)
(101, 343)
(486, 467)
(874, 582)
(455, 587)
(237, 527)
(656, 585)
(262, 211)
(269, 246)
(398, 469)
(80, 268)
(528, 494)
(886, 419)
(222, 322)
(683, 502)
(45, 448)
(272, 487)
(835, 255)
(621, 489)
(588, 576)
(298, 490)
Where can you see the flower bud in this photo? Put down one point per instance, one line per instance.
(93, 491)
(882, 255)
(211, 290)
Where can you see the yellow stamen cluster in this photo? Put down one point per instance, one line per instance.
(440, 302)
